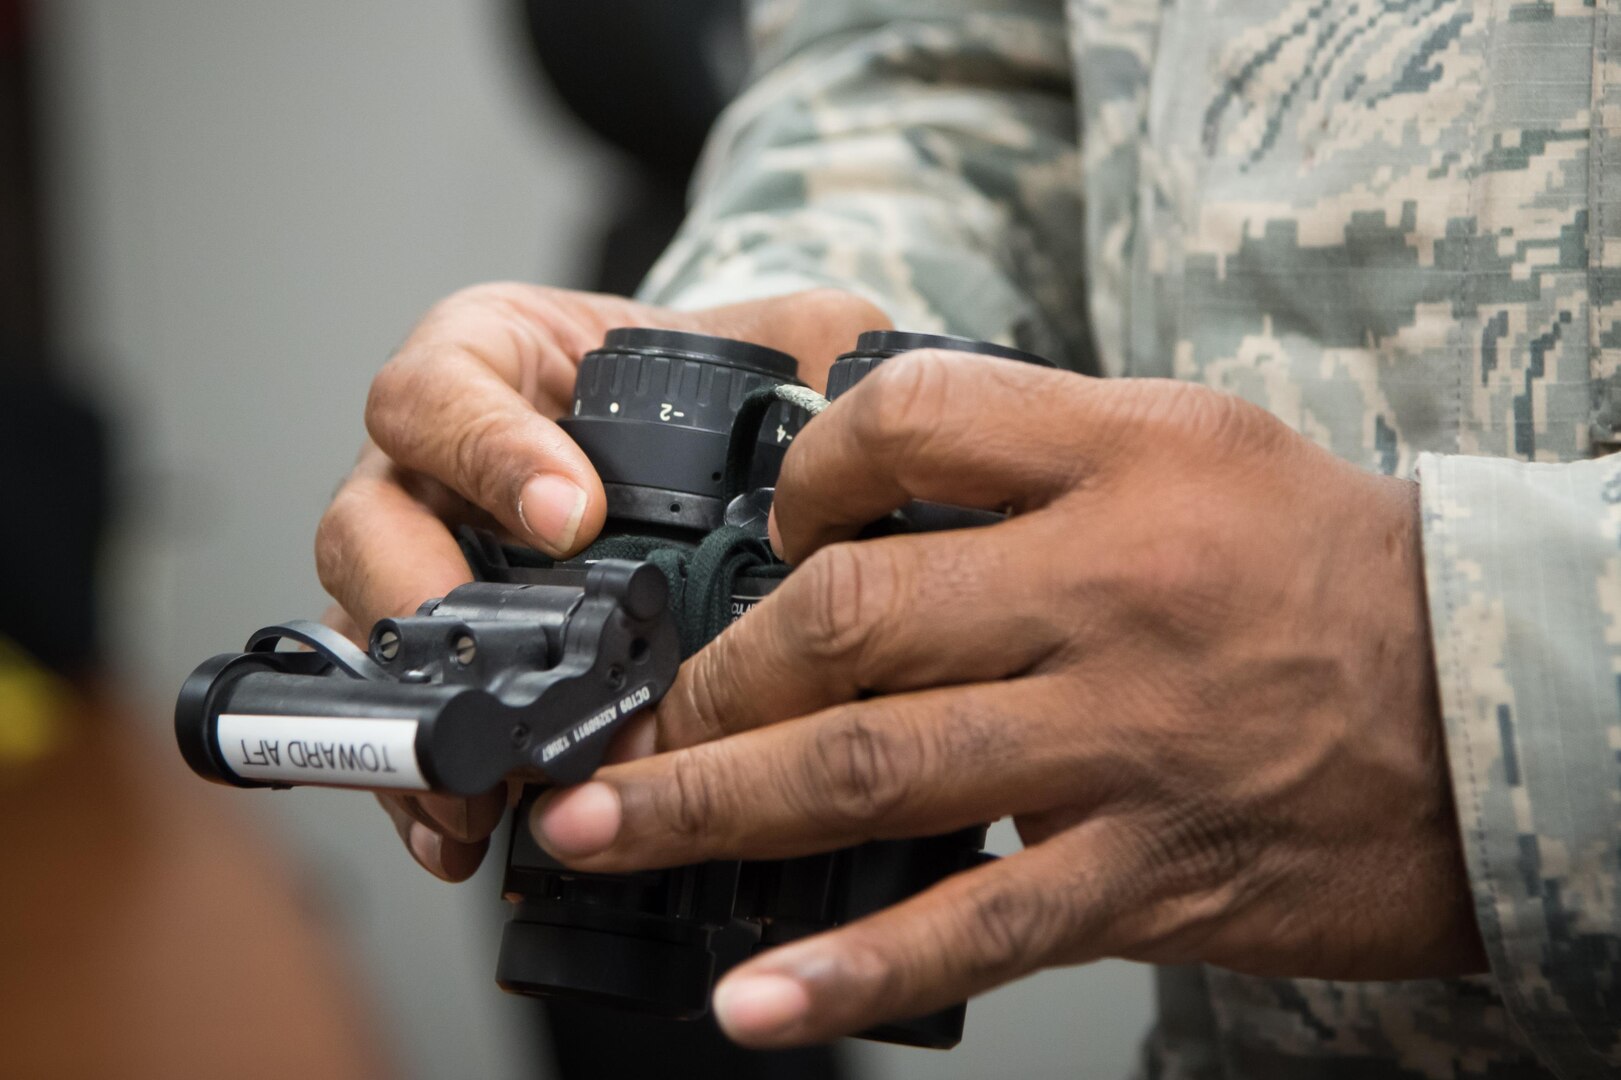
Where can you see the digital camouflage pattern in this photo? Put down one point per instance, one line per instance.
(1394, 223)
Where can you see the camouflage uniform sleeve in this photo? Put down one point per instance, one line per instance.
(919, 152)
(1523, 563)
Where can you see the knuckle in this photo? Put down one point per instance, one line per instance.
(473, 460)
(395, 382)
(1175, 566)
(499, 324)
(698, 714)
(1188, 864)
(691, 801)
(1180, 871)
(968, 734)
(850, 592)
(899, 406)
(1008, 927)
(1197, 847)
(395, 398)
(334, 539)
(1181, 586)
(1223, 419)
(860, 769)
(872, 968)
(1182, 414)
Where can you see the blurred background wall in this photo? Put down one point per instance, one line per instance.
(247, 205)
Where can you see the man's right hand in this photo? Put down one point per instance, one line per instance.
(462, 430)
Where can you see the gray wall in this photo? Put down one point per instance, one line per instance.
(252, 202)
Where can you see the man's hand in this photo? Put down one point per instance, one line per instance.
(461, 426)
(1194, 665)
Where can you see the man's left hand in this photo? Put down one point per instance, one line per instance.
(1194, 665)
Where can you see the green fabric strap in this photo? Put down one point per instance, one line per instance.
(702, 576)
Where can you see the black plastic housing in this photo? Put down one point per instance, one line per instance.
(876, 346)
(527, 673)
(490, 682)
(653, 411)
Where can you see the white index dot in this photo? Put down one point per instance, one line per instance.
(613, 406)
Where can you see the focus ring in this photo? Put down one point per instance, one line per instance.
(875, 346)
(653, 411)
(661, 389)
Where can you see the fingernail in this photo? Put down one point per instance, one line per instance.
(424, 844)
(751, 1008)
(579, 821)
(772, 534)
(447, 860)
(551, 508)
(451, 814)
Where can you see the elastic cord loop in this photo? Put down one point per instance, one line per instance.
(746, 430)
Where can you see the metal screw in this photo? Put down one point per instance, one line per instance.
(388, 645)
(520, 736)
(464, 649)
(616, 678)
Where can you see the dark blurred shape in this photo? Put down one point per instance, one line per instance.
(53, 453)
(53, 512)
(648, 76)
(22, 270)
(145, 931)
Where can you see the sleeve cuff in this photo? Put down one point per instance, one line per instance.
(1523, 570)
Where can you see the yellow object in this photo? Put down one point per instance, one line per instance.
(34, 707)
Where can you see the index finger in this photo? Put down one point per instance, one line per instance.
(880, 616)
(379, 550)
(1063, 901)
(971, 431)
(460, 403)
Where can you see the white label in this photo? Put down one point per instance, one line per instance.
(742, 605)
(590, 726)
(339, 751)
